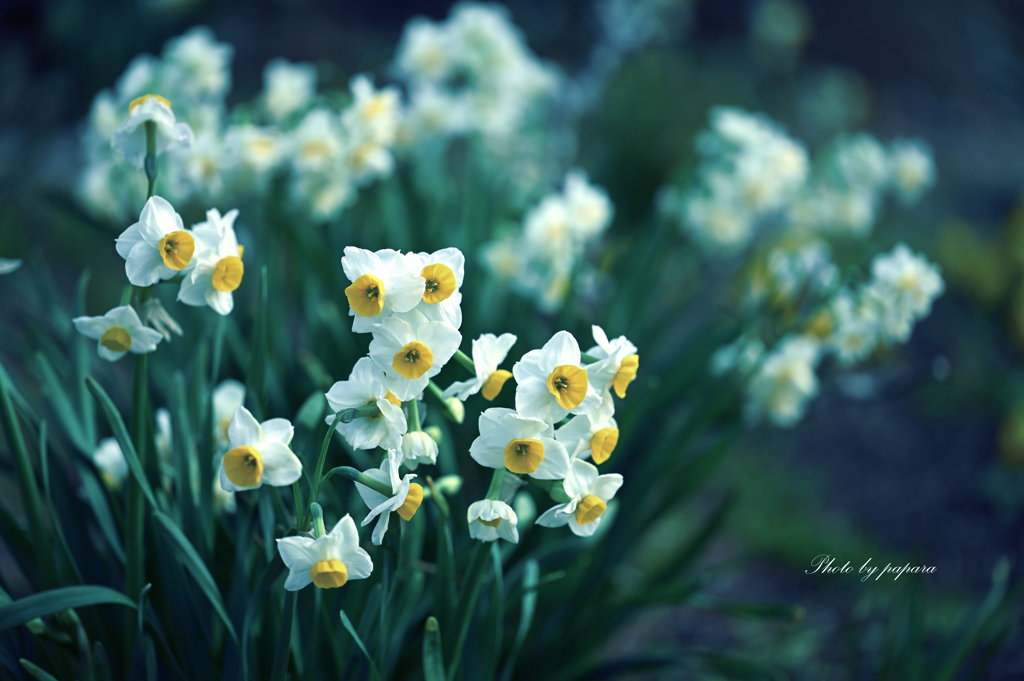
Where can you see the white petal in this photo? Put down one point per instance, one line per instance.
(280, 465)
(561, 349)
(555, 465)
(581, 475)
(244, 429)
(297, 552)
(605, 486)
(278, 430)
(552, 517)
(221, 302)
(357, 561)
(91, 327)
(359, 261)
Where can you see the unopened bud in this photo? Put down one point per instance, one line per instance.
(456, 410)
(435, 433)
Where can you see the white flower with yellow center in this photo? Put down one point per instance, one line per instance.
(491, 519)
(287, 87)
(258, 454)
(195, 63)
(548, 232)
(119, 331)
(130, 138)
(426, 50)
(489, 351)
(316, 145)
(382, 284)
(553, 383)
(589, 496)
(617, 363)
(109, 459)
(407, 498)
(327, 562)
(157, 246)
(908, 279)
(411, 350)
(218, 269)
(367, 159)
(228, 396)
(784, 382)
(368, 385)
(443, 273)
(525, 446)
(417, 448)
(255, 151)
(373, 113)
(592, 435)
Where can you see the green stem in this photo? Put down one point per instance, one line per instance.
(150, 163)
(436, 391)
(465, 361)
(300, 520)
(494, 492)
(588, 359)
(27, 482)
(352, 474)
(414, 416)
(284, 638)
(467, 605)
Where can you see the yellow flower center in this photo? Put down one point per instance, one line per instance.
(244, 466)
(490, 523)
(390, 397)
(362, 154)
(412, 502)
(376, 107)
(137, 102)
(329, 574)
(589, 509)
(493, 385)
(440, 282)
(821, 325)
(524, 456)
(568, 384)
(366, 296)
(116, 339)
(414, 360)
(314, 149)
(625, 375)
(603, 444)
(177, 249)
(227, 276)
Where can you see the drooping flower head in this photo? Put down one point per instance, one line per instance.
(417, 448)
(327, 562)
(407, 498)
(109, 459)
(617, 363)
(119, 331)
(130, 138)
(258, 454)
(492, 519)
(592, 435)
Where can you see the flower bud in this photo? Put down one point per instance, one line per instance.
(435, 433)
(456, 410)
(417, 448)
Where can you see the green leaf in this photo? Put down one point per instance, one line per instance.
(48, 602)
(121, 434)
(284, 638)
(495, 618)
(256, 376)
(433, 657)
(35, 672)
(97, 499)
(270, 574)
(531, 578)
(194, 564)
(53, 388)
(359, 642)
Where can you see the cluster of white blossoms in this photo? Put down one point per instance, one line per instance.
(410, 304)
(470, 74)
(752, 176)
(850, 326)
(542, 259)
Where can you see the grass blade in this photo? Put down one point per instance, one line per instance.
(48, 602)
(433, 657)
(374, 674)
(121, 435)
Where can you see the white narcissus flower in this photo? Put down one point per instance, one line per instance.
(109, 458)
(218, 267)
(157, 246)
(407, 498)
(327, 562)
(259, 454)
(525, 446)
(552, 383)
(913, 170)
(119, 331)
(228, 396)
(784, 382)
(489, 520)
(130, 138)
(287, 87)
(443, 273)
(417, 448)
(488, 352)
(591, 435)
(589, 209)
(412, 350)
(368, 385)
(195, 63)
(382, 284)
(908, 279)
(589, 496)
(162, 439)
(373, 114)
(617, 365)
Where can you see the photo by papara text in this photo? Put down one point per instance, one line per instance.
(827, 564)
